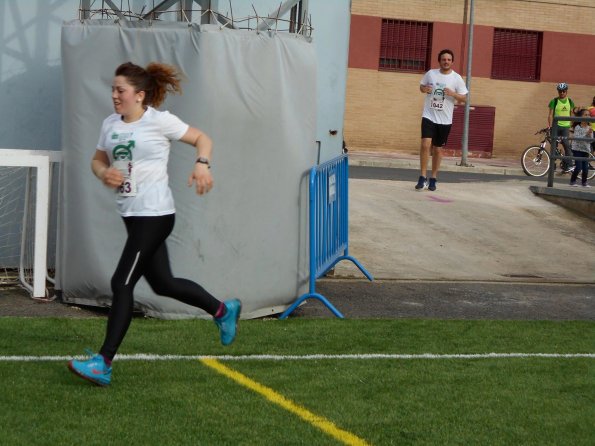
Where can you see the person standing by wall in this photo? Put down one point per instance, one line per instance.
(592, 115)
(581, 149)
(443, 87)
(562, 106)
(131, 158)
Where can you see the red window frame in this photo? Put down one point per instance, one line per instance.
(405, 45)
(517, 54)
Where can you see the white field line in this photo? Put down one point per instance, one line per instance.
(153, 357)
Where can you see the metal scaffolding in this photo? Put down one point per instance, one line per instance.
(204, 12)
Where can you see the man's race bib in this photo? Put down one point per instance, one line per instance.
(437, 99)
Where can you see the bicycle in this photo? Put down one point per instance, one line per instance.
(536, 160)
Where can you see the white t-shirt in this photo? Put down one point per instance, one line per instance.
(438, 107)
(141, 150)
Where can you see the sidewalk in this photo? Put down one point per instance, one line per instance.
(478, 231)
(497, 231)
(577, 199)
(411, 161)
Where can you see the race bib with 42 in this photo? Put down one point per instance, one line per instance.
(438, 96)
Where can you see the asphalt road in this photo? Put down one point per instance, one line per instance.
(452, 300)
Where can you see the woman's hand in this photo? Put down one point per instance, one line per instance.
(201, 177)
(111, 177)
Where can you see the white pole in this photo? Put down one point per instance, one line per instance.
(41, 226)
(39, 159)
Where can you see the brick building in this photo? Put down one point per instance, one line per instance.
(521, 49)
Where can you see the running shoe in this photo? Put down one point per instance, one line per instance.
(432, 185)
(228, 323)
(573, 184)
(94, 370)
(567, 169)
(422, 183)
(586, 185)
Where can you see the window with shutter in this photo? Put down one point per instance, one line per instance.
(516, 55)
(405, 45)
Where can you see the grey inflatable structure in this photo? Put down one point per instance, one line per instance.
(255, 95)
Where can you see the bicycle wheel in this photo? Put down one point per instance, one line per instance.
(535, 161)
(591, 172)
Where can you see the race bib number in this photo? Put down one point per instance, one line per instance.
(128, 186)
(437, 99)
(122, 154)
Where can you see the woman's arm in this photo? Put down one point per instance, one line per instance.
(201, 175)
(101, 168)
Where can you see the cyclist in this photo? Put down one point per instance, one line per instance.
(562, 106)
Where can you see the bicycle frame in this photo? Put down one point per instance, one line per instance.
(537, 160)
(553, 148)
(547, 139)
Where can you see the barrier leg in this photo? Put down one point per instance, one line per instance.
(356, 263)
(320, 297)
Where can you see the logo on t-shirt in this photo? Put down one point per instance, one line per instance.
(437, 100)
(123, 152)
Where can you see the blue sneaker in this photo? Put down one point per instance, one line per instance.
(94, 370)
(422, 183)
(228, 323)
(432, 185)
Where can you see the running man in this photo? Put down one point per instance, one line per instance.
(443, 88)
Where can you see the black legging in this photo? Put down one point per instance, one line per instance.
(145, 254)
(582, 166)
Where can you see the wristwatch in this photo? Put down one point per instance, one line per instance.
(203, 160)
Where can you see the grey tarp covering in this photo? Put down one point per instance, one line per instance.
(254, 94)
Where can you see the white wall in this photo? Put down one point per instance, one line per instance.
(332, 19)
(31, 75)
(30, 72)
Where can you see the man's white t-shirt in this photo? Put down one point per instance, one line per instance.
(438, 107)
(140, 150)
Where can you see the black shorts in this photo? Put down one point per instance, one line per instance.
(438, 132)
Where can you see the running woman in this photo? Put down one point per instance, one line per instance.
(131, 158)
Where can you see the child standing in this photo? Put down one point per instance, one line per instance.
(592, 113)
(581, 149)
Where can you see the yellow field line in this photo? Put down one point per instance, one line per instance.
(320, 422)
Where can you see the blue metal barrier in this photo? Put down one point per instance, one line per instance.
(329, 226)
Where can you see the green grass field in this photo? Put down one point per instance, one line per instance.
(431, 400)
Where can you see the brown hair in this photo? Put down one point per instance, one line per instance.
(579, 113)
(446, 51)
(156, 80)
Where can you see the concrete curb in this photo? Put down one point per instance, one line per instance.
(576, 200)
(446, 166)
